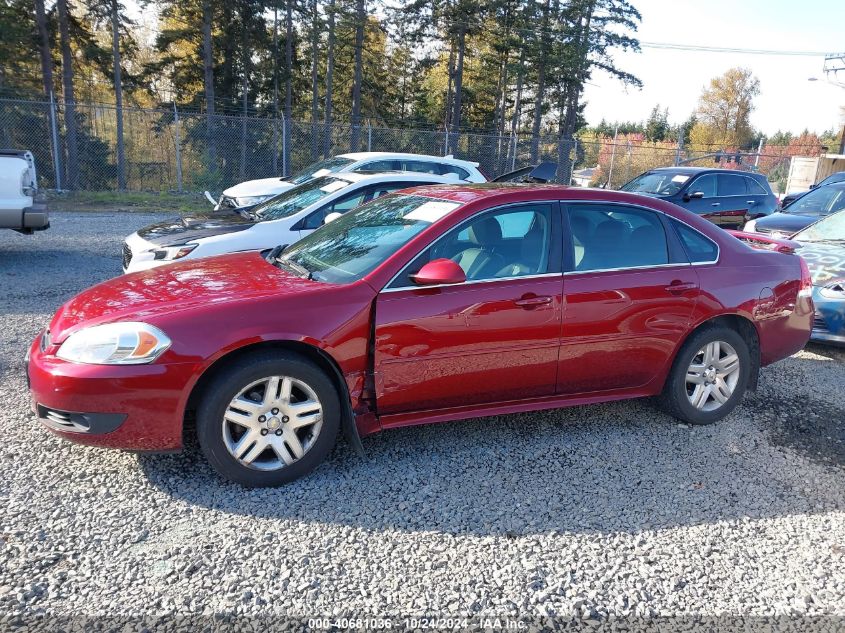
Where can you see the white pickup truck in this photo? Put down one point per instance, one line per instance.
(19, 209)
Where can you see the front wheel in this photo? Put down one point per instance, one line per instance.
(268, 419)
(709, 376)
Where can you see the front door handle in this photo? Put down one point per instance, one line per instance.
(715, 204)
(532, 302)
(679, 287)
(751, 202)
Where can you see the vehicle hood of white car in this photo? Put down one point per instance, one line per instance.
(191, 228)
(260, 187)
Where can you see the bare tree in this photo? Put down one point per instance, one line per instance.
(360, 18)
(540, 93)
(208, 79)
(315, 88)
(327, 114)
(72, 162)
(44, 47)
(288, 83)
(118, 93)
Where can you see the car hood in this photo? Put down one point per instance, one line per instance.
(826, 261)
(180, 286)
(787, 223)
(260, 187)
(194, 227)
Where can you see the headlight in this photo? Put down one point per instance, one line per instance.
(750, 226)
(833, 290)
(248, 201)
(169, 253)
(115, 344)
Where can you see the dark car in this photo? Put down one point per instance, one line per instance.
(727, 197)
(830, 180)
(809, 208)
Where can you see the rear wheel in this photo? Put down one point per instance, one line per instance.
(267, 419)
(709, 376)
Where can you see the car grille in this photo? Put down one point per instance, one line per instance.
(127, 255)
(819, 324)
(63, 419)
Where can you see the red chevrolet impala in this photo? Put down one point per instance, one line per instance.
(437, 303)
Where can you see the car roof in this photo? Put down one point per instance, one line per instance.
(699, 170)
(389, 176)
(445, 159)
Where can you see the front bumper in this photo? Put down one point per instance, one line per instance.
(138, 255)
(130, 407)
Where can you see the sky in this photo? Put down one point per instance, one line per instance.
(674, 79)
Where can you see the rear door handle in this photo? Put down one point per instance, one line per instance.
(752, 202)
(678, 287)
(532, 302)
(715, 204)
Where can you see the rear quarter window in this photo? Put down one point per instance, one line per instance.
(699, 248)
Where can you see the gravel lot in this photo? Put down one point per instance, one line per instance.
(612, 510)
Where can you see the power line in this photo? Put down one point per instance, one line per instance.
(725, 49)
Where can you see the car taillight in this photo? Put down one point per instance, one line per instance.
(806, 288)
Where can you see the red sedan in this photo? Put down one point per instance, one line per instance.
(437, 303)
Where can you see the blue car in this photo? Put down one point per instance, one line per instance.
(809, 208)
(823, 248)
(788, 199)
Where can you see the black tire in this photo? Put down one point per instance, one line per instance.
(238, 375)
(674, 399)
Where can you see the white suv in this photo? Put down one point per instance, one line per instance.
(252, 192)
(18, 190)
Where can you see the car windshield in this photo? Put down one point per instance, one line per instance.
(820, 201)
(295, 200)
(348, 248)
(829, 229)
(663, 183)
(321, 168)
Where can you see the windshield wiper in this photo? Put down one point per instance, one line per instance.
(299, 269)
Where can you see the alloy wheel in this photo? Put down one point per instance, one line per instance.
(272, 423)
(712, 376)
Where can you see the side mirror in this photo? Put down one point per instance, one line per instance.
(813, 186)
(695, 195)
(439, 271)
(331, 217)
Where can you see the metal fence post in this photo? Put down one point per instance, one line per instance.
(285, 146)
(178, 150)
(574, 158)
(369, 135)
(54, 132)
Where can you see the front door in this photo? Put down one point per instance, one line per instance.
(493, 338)
(627, 300)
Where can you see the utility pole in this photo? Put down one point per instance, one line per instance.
(612, 153)
(759, 151)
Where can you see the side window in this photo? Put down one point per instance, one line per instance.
(755, 188)
(380, 165)
(421, 166)
(341, 205)
(616, 237)
(730, 185)
(462, 173)
(513, 242)
(705, 184)
(699, 248)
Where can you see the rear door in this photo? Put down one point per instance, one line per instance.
(629, 293)
(491, 339)
(734, 201)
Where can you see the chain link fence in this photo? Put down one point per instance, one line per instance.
(173, 150)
